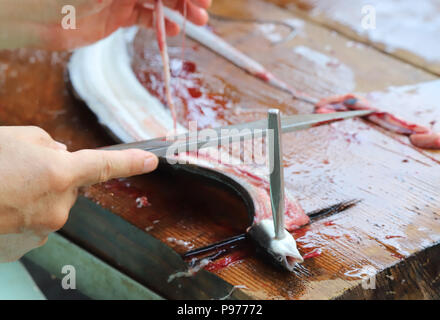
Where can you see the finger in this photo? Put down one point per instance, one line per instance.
(194, 13)
(145, 18)
(94, 166)
(172, 28)
(148, 4)
(134, 18)
(175, 4)
(119, 13)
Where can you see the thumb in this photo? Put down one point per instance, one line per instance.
(94, 166)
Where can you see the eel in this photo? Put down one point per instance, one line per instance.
(102, 76)
(419, 136)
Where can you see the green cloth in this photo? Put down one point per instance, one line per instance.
(17, 284)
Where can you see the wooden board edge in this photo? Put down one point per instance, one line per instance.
(140, 256)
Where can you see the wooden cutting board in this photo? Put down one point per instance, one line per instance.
(396, 27)
(393, 231)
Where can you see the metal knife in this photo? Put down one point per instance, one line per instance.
(191, 141)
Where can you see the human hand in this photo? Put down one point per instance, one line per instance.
(40, 181)
(38, 25)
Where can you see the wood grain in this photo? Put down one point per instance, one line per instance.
(397, 218)
(401, 28)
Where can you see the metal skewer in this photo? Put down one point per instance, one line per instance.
(276, 171)
(276, 191)
(236, 240)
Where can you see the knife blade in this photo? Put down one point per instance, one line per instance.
(192, 141)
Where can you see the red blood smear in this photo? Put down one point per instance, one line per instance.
(395, 124)
(384, 119)
(300, 232)
(142, 202)
(322, 123)
(193, 103)
(225, 262)
(189, 67)
(258, 181)
(329, 223)
(391, 237)
(195, 92)
(313, 254)
(263, 76)
(333, 64)
(398, 256)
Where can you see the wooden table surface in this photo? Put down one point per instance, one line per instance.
(395, 27)
(394, 231)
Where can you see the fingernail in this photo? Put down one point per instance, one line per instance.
(150, 164)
